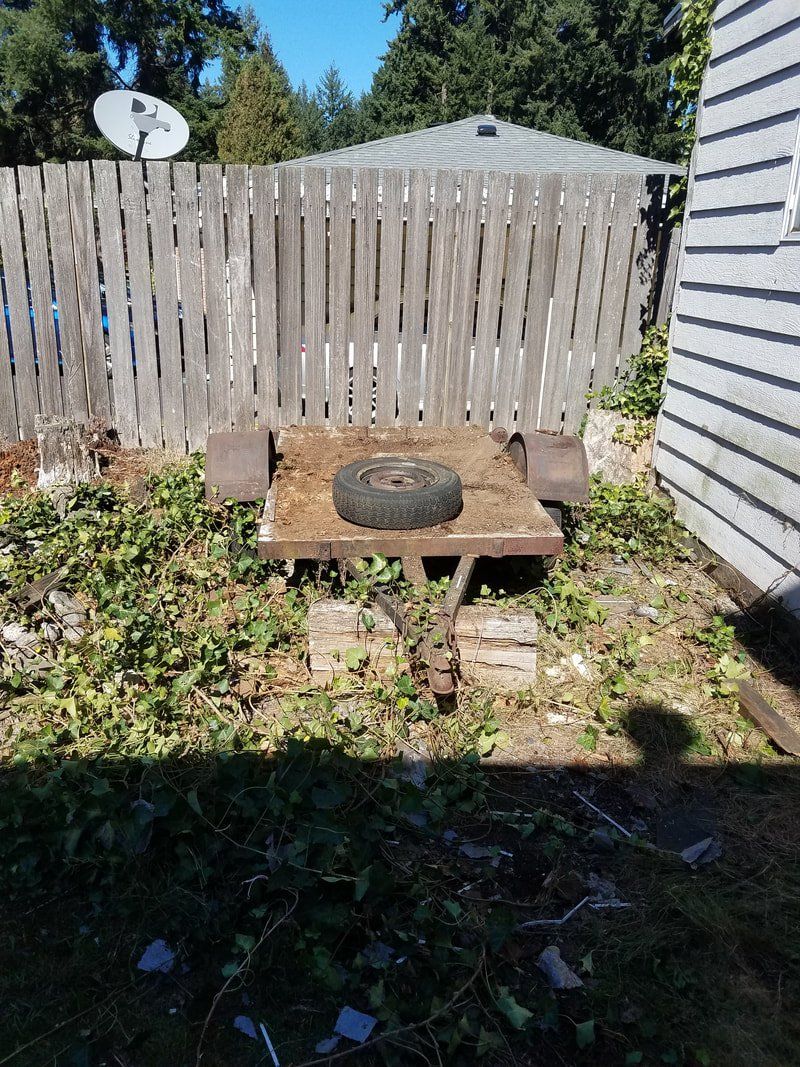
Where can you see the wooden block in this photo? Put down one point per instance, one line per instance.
(497, 646)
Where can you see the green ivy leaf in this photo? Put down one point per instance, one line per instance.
(513, 1011)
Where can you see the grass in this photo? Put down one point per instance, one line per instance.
(176, 775)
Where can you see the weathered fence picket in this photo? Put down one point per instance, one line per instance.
(173, 301)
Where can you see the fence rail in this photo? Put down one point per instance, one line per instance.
(174, 300)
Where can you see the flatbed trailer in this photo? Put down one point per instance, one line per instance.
(503, 482)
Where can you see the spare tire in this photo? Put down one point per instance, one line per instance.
(396, 493)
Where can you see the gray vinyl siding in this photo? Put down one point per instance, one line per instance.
(729, 433)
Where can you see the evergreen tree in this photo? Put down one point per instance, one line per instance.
(310, 120)
(590, 69)
(337, 110)
(57, 56)
(260, 124)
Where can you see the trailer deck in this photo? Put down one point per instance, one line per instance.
(500, 517)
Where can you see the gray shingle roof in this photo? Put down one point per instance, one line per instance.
(515, 149)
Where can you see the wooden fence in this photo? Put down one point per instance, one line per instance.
(175, 300)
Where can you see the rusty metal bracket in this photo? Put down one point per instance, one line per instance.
(435, 643)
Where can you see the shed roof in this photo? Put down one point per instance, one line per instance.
(457, 146)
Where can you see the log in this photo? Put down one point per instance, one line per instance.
(497, 646)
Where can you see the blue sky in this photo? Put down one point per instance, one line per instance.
(308, 35)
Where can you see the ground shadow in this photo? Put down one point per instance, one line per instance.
(290, 883)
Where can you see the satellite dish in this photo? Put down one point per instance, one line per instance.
(141, 125)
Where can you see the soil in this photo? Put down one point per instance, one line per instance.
(497, 502)
(120, 466)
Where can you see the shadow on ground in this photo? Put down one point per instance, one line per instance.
(291, 883)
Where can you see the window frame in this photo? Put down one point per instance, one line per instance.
(791, 215)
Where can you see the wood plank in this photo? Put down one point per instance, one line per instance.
(341, 238)
(144, 338)
(37, 255)
(364, 294)
(440, 289)
(590, 288)
(768, 440)
(290, 295)
(126, 421)
(615, 285)
(752, 475)
(758, 350)
(770, 140)
(515, 294)
(170, 356)
(500, 515)
(753, 103)
(777, 729)
(243, 407)
(19, 309)
(190, 265)
(414, 286)
(668, 254)
(215, 293)
(643, 263)
(491, 281)
(73, 384)
(748, 556)
(759, 309)
(266, 296)
(84, 246)
(314, 279)
(9, 426)
(756, 58)
(543, 261)
(497, 647)
(465, 295)
(573, 217)
(391, 268)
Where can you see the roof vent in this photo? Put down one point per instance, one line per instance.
(487, 129)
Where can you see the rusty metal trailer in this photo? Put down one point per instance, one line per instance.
(510, 487)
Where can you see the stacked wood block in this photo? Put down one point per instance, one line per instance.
(497, 646)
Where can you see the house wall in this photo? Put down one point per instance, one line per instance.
(729, 434)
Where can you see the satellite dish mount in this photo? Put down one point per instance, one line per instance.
(146, 120)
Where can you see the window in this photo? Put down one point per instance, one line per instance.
(791, 222)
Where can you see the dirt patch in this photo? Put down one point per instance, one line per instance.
(18, 468)
(120, 466)
(497, 503)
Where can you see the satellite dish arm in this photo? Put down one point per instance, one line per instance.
(137, 155)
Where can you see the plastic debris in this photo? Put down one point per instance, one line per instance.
(556, 922)
(475, 852)
(704, 851)
(645, 611)
(601, 813)
(378, 954)
(355, 1024)
(328, 1045)
(557, 973)
(245, 1025)
(268, 1043)
(417, 818)
(450, 835)
(579, 663)
(158, 956)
